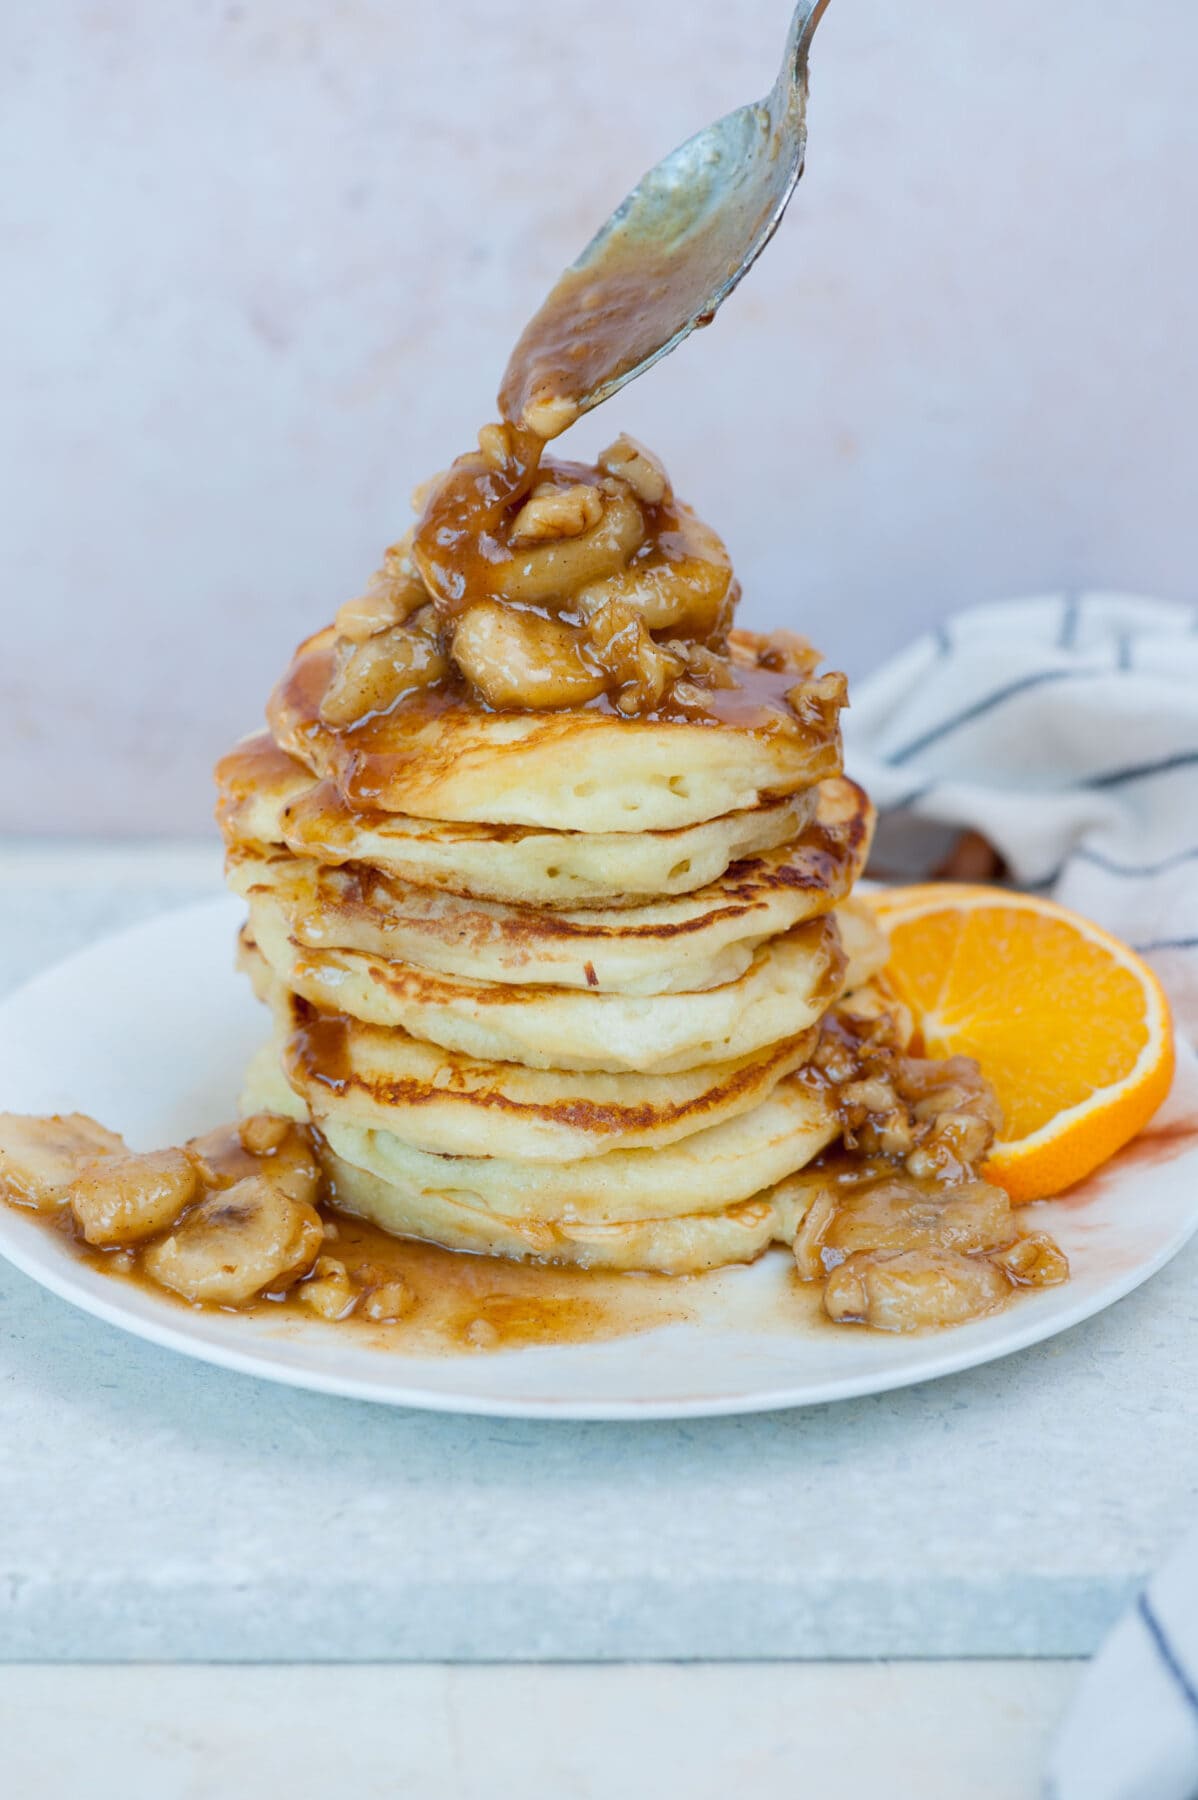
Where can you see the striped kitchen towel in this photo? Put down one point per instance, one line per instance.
(1064, 730)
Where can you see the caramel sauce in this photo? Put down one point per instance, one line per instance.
(409, 980)
(427, 730)
(466, 1303)
(605, 319)
(320, 1046)
(461, 1304)
(255, 767)
(456, 1302)
(255, 764)
(757, 702)
(643, 565)
(597, 324)
(323, 823)
(462, 542)
(320, 1051)
(822, 859)
(460, 536)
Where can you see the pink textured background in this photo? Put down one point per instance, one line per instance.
(265, 262)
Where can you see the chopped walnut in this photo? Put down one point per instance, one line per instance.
(955, 1113)
(641, 667)
(495, 447)
(690, 697)
(548, 415)
(789, 653)
(895, 1132)
(480, 1334)
(631, 462)
(263, 1132)
(899, 1223)
(955, 1142)
(940, 1118)
(1034, 1261)
(835, 1057)
(873, 1094)
(818, 701)
(391, 1300)
(557, 512)
(703, 664)
(328, 1290)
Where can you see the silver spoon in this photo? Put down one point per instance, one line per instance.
(670, 254)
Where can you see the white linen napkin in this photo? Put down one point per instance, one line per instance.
(1132, 1731)
(1065, 731)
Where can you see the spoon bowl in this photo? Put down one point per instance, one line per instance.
(670, 254)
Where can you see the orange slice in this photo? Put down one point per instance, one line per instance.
(1072, 1028)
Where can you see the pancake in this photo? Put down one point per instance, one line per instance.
(684, 1245)
(786, 988)
(706, 1172)
(268, 798)
(682, 945)
(438, 755)
(457, 1105)
(549, 877)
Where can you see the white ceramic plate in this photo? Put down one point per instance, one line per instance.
(150, 1031)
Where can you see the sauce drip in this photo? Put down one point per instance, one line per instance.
(629, 298)
(427, 731)
(461, 1304)
(534, 585)
(896, 1242)
(460, 540)
(596, 324)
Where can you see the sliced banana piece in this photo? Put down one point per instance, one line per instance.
(39, 1157)
(908, 1289)
(239, 1241)
(122, 1199)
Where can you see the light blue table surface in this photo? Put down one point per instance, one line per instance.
(152, 1507)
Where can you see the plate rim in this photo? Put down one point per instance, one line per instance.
(26, 1246)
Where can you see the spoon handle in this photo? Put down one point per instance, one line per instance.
(793, 73)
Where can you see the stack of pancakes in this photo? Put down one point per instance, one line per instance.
(548, 984)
